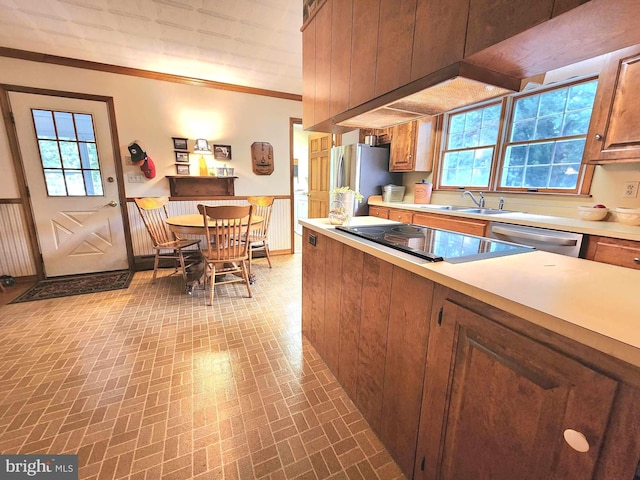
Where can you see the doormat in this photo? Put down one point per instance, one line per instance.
(76, 285)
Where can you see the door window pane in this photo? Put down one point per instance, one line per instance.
(49, 154)
(43, 120)
(68, 153)
(64, 126)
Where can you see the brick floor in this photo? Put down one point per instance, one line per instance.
(150, 383)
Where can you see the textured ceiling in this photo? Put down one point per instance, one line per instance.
(254, 43)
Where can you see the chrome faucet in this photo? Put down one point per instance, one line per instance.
(501, 203)
(479, 203)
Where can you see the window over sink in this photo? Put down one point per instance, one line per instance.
(531, 141)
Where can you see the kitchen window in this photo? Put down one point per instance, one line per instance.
(540, 149)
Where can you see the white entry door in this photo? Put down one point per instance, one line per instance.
(67, 154)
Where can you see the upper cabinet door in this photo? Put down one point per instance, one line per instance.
(341, 25)
(309, 74)
(438, 40)
(613, 131)
(395, 44)
(323, 62)
(491, 21)
(364, 47)
(402, 155)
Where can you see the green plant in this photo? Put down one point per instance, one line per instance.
(356, 195)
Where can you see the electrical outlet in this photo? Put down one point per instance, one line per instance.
(630, 189)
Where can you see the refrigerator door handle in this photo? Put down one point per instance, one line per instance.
(340, 172)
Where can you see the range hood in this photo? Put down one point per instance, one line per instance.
(444, 91)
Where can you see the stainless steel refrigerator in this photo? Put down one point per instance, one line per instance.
(364, 169)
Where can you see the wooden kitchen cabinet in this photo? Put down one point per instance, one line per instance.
(341, 27)
(402, 153)
(364, 47)
(613, 134)
(395, 44)
(377, 353)
(323, 62)
(380, 212)
(471, 226)
(399, 215)
(491, 21)
(499, 394)
(616, 251)
(439, 35)
(498, 404)
(314, 248)
(411, 303)
(372, 345)
(413, 145)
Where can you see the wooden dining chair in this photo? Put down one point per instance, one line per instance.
(166, 244)
(226, 252)
(258, 238)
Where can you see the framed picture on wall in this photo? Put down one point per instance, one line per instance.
(182, 169)
(180, 143)
(222, 152)
(182, 157)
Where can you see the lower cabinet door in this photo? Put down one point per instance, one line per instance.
(499, 405)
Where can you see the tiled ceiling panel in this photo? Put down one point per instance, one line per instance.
(254, 43)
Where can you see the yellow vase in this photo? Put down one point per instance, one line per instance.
(204, 170)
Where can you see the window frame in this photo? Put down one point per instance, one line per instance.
(585, 175)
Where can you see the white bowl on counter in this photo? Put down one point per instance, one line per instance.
(628, 216)
(587, 212)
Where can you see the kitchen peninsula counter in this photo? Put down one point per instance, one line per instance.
(592, 303)
(459, 366)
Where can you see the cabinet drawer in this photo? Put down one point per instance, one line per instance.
(624, 253)
(379, 212)
(462, 225)
(400, 215)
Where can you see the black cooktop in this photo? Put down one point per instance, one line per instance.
(435, 245)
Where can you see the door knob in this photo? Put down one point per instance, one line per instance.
(112, 204)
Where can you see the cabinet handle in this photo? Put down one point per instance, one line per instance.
(598, 136)
(636, 260)
(576, 440)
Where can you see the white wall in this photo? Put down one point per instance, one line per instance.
(153, 111)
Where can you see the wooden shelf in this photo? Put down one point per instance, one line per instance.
(190, 186)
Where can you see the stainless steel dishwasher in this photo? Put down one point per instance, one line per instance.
(556, 241)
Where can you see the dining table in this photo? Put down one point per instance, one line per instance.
(193, 224)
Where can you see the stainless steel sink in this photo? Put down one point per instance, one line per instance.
(482, 211)
(444, 207)
(458, 208)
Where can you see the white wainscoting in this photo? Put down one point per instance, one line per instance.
(279, 230)
(15, 250)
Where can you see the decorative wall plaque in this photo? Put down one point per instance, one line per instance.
(262, 158)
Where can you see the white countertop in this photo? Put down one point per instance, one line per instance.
(593, 303)
(603, 228)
